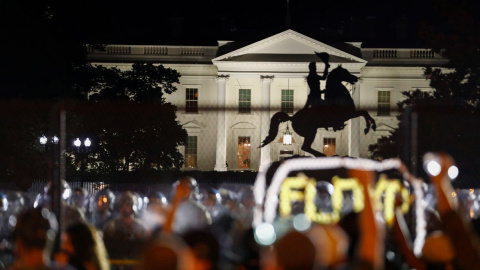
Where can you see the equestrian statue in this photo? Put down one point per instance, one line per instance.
(332, 112)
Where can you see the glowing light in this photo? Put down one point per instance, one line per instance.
(77, 142)
(87, 142)
(12, 221)
(421, 223)
(389, 188)
(55, 139)
(66, 194)
(301, 222)
(265, 234)
(453, 172)
(390, 255)
(433, 168)
(43, 140)
(454, 194)
(45, 213)
(289, 193)
(287, 137)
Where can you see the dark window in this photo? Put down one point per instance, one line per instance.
(244, 101)
(287, 100)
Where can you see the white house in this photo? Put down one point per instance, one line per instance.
(228, 93)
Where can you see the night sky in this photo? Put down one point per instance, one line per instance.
(205, 22)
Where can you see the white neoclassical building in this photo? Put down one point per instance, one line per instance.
(227, 94)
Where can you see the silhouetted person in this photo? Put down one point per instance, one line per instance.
(166, 252)
(82, 248)
(290, 257)
(103, 208)
(80, 200)
(72, 213)
(34, 235)
(186, 212)
(125, 234)
(313, 79)
(205, 248)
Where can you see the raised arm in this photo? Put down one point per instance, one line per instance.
(370, 245)
(182, 192)
(325, 57)
(464, 241)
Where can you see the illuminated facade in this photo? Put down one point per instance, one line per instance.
(227, 94)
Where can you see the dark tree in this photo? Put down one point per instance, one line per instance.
(133, 126)
(448, 118)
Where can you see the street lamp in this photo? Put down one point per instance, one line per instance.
(44, 140)
(82, 152)
(78, 143)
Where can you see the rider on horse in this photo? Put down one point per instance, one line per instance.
(313, 79)
(337, 108)
(314, 99)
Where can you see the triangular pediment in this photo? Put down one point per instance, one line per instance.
(288, 46)
(193, 126)
(384, 127)
(384, 130)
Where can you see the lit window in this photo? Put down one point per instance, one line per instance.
(383, 103)
(191, 152)
(287, 100)
(329, 146)
(191, 98)
(244, 152)
(244, 101)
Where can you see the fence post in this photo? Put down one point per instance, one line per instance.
(57, 164)
(414, 142)
(407, 144)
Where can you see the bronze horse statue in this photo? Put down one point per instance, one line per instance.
(332, 112)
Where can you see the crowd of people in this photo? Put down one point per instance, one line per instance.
(197, 228)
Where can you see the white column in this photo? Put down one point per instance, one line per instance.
(354, 126)
(265, 151)
(221, 154)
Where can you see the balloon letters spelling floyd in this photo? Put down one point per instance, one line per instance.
(301, 188)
